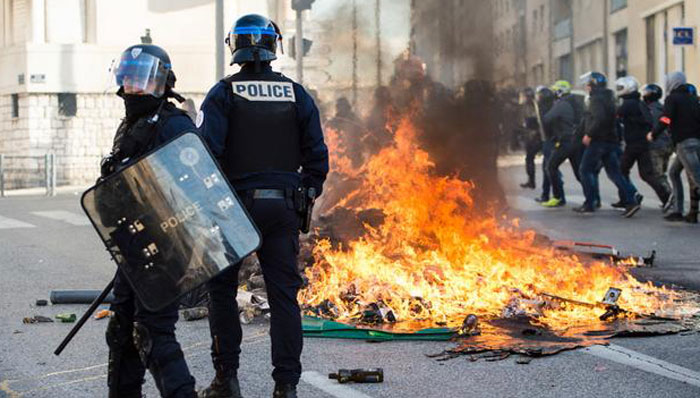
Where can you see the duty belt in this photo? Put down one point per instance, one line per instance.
(268, 194)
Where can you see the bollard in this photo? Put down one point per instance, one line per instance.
(53, 174)
(2, 178)
(47, 174)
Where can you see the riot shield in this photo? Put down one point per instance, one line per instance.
(171, 221)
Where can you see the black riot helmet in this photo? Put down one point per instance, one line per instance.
(253, 38)
(652, 93)
(594, 80)
(145, 69)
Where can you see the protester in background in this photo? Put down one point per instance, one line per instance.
(681, 114)
(544, 99)
(533, 136)
(661, 148)
(562, 121)
(678, 197)
(637, 121)
(601, 140)
(350, 130)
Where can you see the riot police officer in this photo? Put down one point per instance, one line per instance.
(266, 133)
(140, 339)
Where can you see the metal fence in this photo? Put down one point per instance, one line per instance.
(19, 171)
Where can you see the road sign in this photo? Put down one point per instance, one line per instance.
(683, 36)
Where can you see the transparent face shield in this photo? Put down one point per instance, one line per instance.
(247, 36)
(141, 74)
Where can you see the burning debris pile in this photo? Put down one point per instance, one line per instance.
(400, 244)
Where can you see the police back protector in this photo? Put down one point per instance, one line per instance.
(171, 221)
(264, 132)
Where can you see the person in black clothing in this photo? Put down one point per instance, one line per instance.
(661, 148)
(140, 339)
(531, 129)
(681, 115)
(602, 141)
(637, 121)
(544, 100)
(265, 130)
(562, 121)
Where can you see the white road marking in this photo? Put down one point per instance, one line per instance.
(646, 363)
(65, 216)
(9, 223)
(330, 386)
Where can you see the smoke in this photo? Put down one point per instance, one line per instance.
(455, 105)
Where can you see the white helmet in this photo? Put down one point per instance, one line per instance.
(626, 85)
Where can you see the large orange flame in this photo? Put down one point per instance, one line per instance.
(436, 258)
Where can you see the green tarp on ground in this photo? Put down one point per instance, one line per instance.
(317, 327)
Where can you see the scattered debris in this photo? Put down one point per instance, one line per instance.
(251, 305)
(375, 313)
(523, 360)
(602, 251)
(372, 375)
(37, 319)
(41, 303)
(470, 327)
(17, 332)
(102, 314)
(194, 314)
(66, 317)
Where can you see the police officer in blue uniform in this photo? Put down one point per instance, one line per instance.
(266, 133)
(140, 339)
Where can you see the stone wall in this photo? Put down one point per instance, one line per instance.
(78, 142)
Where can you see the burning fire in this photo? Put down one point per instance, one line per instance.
(435, 258)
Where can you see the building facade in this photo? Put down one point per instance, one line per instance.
(56, 94)
(567, 38)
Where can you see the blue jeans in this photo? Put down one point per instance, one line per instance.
(547, 150)
(689, 153)
(609, 154)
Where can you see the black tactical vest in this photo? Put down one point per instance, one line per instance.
(136, 138)
(263, 128)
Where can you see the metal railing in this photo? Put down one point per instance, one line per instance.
(19, 171)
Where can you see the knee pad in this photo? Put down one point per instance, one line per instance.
(143, 342)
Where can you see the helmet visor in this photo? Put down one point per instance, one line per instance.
(251, 36)
(142, 74)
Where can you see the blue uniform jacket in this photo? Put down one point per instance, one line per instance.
(213, 124)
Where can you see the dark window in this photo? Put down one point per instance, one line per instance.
(621, 53)
(67, 104)
(15, 105)
(617, 5)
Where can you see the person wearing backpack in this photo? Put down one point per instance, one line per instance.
(562, 120)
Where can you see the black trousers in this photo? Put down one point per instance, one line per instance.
(566, 150)
(139, 339)
(279, 224)
(641, 155)
(533, 146)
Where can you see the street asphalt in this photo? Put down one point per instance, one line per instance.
(46, 244)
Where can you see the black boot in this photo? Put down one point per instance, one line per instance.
(224, 385)
(674, 217)
(692, 217)
(285, 391)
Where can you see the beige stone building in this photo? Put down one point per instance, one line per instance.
(55, 90)
(566, 38)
